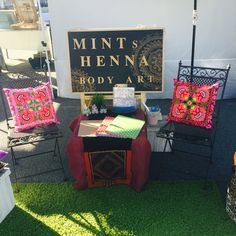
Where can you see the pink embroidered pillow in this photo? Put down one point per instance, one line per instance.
(193, 104)
(31, 107)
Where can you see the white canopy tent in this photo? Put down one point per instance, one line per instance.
(215, 39)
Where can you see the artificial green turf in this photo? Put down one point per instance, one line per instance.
(182, 208)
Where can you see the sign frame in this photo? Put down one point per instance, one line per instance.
(132, 29)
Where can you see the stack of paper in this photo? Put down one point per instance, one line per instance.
(118, 127)
(101, 131)
(125, 126)
(88, 128)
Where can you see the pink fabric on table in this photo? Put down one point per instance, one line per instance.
(141, 151)
(141, 155)
(193, 104)
(75, 154)
(31, 107)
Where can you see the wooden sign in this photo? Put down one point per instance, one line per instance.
(101, 59)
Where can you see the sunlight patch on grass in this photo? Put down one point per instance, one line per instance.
(71, 223)
(182, 208)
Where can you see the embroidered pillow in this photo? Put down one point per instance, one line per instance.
(31, 107)
(193, 104)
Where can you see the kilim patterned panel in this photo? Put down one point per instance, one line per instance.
(108, 167)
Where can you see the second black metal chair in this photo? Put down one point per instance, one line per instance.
(179, 135)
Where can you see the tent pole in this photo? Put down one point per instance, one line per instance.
(45, 46)
(193, 36)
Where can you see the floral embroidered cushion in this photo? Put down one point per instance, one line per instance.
(193, 104)
(31, 107)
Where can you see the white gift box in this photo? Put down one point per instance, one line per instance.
(7, 201)
(124, 97)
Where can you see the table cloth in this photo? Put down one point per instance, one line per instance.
(140, 148)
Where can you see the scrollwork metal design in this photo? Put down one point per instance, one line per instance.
(32, 139)
(202, 75)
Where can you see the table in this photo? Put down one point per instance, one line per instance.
(140, 149)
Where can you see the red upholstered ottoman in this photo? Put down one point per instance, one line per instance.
(106, 165)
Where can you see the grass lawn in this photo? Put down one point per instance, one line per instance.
(181, 208)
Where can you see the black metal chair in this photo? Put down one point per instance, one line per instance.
(179, 135)
(30, 136)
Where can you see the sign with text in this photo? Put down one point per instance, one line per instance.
(101, 59)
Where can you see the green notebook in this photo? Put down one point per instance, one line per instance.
(125, 126)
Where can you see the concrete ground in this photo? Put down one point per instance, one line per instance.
(67, 109)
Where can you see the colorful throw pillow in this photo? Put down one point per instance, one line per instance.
(31, 107)
(193, 104)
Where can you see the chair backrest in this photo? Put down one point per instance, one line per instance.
(204, 75)
(17, 81)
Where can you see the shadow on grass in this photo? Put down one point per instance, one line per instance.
(182, 208)
(19, 222)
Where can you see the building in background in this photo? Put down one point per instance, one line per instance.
(6, 4)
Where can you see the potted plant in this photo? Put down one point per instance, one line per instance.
(97, 108)
(98, 100)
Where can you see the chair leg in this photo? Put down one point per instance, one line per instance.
(206, 185)
(210, 163)
(165, 145)
(169, 143)
(55, 149)
(60, 159)
(14, 168)
(13, 156)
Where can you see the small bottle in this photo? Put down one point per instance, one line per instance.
(231, 193)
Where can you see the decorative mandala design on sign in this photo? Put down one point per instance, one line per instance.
(80, 81)
(148, 61)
